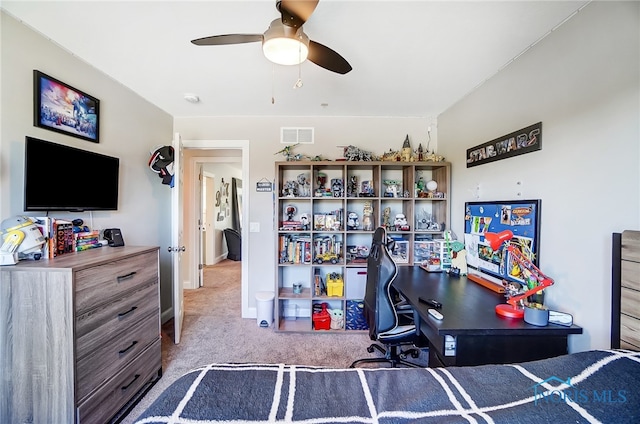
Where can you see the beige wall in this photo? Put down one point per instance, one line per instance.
(582, 82)
(129, 128)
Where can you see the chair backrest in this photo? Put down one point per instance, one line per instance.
(379, 309)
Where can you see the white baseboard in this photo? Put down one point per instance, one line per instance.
(166, 315)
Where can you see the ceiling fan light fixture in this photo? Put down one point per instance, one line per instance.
(283, 46)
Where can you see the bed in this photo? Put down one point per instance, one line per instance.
(583, 387)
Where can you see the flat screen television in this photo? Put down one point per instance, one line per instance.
(522, 217)
(63, 178)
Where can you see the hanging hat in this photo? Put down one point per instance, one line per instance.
(161, 162)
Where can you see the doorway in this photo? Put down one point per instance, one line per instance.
(199, 154)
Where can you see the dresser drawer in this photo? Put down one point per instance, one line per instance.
(111, 357)
(110, 398)
(99, 325)
(99, 283)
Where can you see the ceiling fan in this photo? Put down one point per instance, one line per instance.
(284, 42)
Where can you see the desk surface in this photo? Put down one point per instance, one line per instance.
(467, 307)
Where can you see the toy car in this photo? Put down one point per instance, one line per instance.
(327, 257)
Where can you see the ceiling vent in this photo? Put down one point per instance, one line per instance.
(293, 135)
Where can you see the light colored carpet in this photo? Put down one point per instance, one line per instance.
(214, 332)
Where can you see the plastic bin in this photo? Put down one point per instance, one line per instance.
(264, 308)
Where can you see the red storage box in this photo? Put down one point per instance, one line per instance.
(322, 319)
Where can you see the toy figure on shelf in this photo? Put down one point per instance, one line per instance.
(290, 212)
(420, 153)
(352, 187)
(337, 318)
(400, 223)
(386, 216)
(321, 180)
(336, 187)
(290, 189)
(367, 189)
(367, 219)
(352, 221)
(305, 221)
(303, 186)
(286, 152)
(392, 188)
(353, 153)
(406, 150)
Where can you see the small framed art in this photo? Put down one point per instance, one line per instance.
(62, 108)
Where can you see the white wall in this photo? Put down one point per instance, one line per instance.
(129, 128)
(582, 82)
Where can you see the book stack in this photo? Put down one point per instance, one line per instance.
(59, 236)
(87, 240)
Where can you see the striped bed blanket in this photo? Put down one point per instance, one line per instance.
(586, 387)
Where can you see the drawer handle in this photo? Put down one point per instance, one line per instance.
(123, 388)
(123, 351)
(126, 277)
(124, 314)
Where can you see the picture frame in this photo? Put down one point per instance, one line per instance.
(64, 109)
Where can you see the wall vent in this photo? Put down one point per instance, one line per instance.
(293, 135)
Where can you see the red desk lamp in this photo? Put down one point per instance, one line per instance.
(511, 309)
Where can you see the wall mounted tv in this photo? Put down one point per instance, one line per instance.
(522, 217)
(62, 178)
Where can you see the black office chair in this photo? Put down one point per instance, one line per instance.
(234, 244)
(380, 311)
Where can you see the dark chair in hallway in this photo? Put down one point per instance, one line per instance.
(234, 244)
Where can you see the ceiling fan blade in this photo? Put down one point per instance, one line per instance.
(325, 57)
(296, 12)
(219, 40)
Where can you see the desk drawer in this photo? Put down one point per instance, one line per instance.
(96, 284)
(96, 327)
(110, 398)
(94, 369)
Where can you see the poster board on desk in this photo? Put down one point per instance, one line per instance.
(522, 217)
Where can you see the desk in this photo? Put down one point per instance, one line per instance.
(471, 333)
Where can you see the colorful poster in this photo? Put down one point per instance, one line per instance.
(521, 217)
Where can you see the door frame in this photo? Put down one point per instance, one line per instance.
(196, 163)
(243, 146)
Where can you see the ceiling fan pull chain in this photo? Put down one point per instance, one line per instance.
(298, 83)
(273, 73)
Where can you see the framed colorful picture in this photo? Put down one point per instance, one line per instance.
(62, 108)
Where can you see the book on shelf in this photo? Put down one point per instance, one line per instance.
(87, 234)
(82, 242)
(294, 249)
(63, 237)
(88, 246)
(44, 225)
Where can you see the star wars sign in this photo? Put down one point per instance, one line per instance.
(523, 141)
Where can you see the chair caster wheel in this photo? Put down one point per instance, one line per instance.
(370, 349)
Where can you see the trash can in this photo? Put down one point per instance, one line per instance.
(264, 308)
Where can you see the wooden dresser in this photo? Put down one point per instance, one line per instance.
(79, 335)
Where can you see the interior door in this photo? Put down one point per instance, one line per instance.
(201, 227)
(177, 245)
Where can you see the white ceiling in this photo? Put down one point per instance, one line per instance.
(409, 58)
